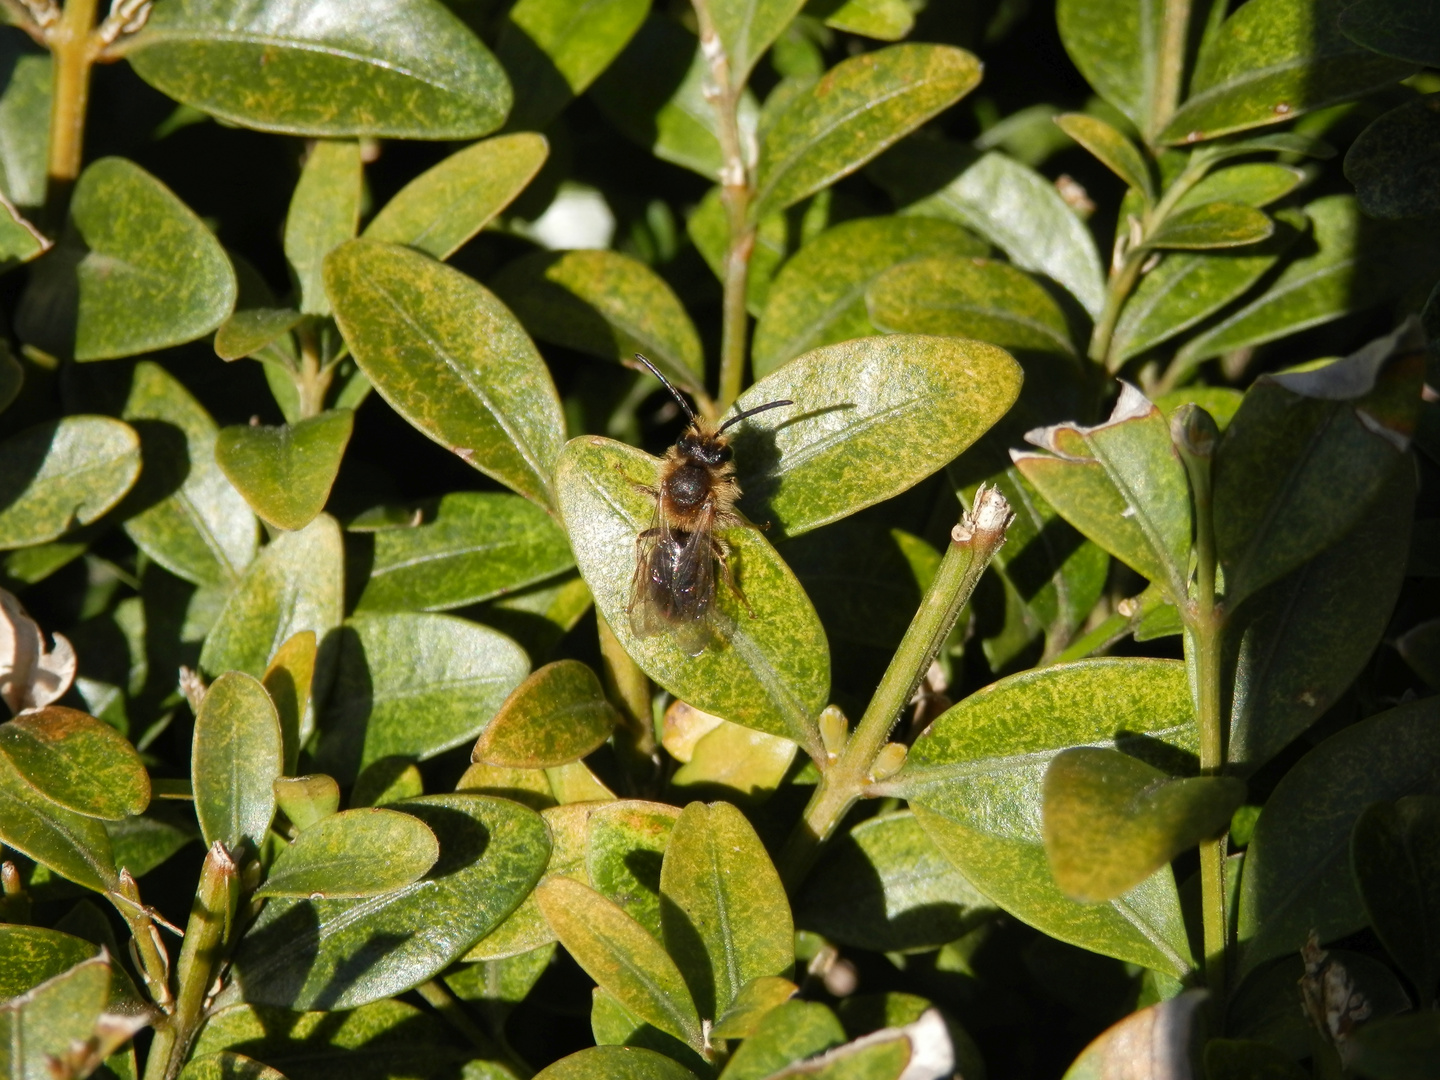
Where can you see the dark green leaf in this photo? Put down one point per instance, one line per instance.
(61, 474)
(1404, 29)
(1243, 1059)
(1253, 183)
(386, 781)
(968, 298)
(339, 954)
(473, 546)
(40, 1026)
(451, 359)
(30, 954)
(1272, 61)
(68, 843)
(1395, 163)
(235, 759)
(855, 111)
(627, 840)
(1420, 648)
(136, 232)
(976, 778)
(1297, 868)
(446, 205)
(77, 761)
(615, 1063)
(1398, 1048)
(412, 685)
(228, 1066)
(1116, 46)
(285, 473)
(249, 330)
(389, 68)
(557, 715)
(324, 213)
(1212, 225)
(355, 853)
(140, 844)
(789, 1033)
(1115, 151)
(1395, 859)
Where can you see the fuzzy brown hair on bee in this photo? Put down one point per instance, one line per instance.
(673, 590)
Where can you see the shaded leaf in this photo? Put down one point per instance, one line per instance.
(285, 473)
(72, 845)
(557, 715)
(324, 213)
(289, 679)
(1156, 1039)
(1395, 162)
(789, 1033)
(29, 955)
(235, 759)
(77, 761)
(1398, 1048)
(627, 840)
(63, 473)
(1212, 225)
(307, 800)
(228, 1066)
(353, 853)
(1395, 860)
(1111, 147)
(615, 1063)
(42, 1024)
(1399, 28)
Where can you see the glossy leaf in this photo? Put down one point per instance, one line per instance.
(1212, 225)
(918, 401)
(446, 205)
(1253, 183)
(200, 529)
(324, 213)
(227, 1066)
(725, 916)
(1272, 61)
(975, 779)
(818, 297)
(627, 841)
(296, 584)
(789, 1033)
(557, 715)
(1398, 28)
(755, 999)
(770, 672)
(307, 800)
(1111, 147)
(77, 761)
(472, 547)
(413, 686)
(1157, 1039)
(61, 474)
(285, 473)
(1121, 484)
(289, 679)
(736, 763)
(855, 111)
(136, 232)
(1112, 820)
(451, 359)
(249, 330)
(41, 1025)
(1395, 162)
(1297, 868)
(621, 956)
(235, 759)
(615, 1063)
(1115, 48)
(72, 845)
(388, 68)
(606, 304)
(29, 955)
(886, 887)
(24, 122)
(1302, 640)
(968, 298)
(339, 954)
(354, 853)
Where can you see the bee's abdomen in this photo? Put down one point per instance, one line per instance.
(688, 486)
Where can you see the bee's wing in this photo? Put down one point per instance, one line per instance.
(693, 587)
(647, 605)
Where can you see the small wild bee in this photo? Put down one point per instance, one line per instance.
(673, 590)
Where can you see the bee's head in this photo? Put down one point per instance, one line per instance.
(703, 448)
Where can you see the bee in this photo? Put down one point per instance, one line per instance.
(673, 590)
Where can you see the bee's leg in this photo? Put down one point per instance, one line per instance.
(722, 554)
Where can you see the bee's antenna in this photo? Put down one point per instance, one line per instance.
(752, 412)
(668, 386)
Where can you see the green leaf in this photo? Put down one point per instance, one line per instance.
(1397, 1048)
(77, 761)
(968, 298)
(605, 304)
(1212, 225)
(1111, 147)
(1017, 210)
(249, 330)
(1297, 868)
(227, 1066)
(615, 1063)
(285, 473)
(451, 359)
(736, 763)
(1272, 61)
(446, 205)
(30, 954)
(1395, 860)
(886, 887)
(709, 229)
(296, 584)
(20, 241)
(136, 232)
(340, 954)
(1403, 29)
(818, 297)
(975, 779)
(747, 28)
(789, 1033)
(1395, 162)
(235, 759)
(621, 956)
(405, 69)
(307, 800)
(1298, 464)
(554, 49)
(1186, 289)
(1116, 48)
(24, 123)
(1122, 485)
(386, 781)
(199, 528)
(725, 916)
(1112, 820)
(324, 213)
(771, 673)
(917, 401)
(354, 853)
(289, 679)
(12, 375)
(1160, 1037)
(557, 715)
(1300, 642)
(883, 20)
(41, 1025)
(627, 840)
(855, 111)
(755, 999)
(72, 845)
(61, 474)
(1252, 183)
(140, 844)
(412, 685)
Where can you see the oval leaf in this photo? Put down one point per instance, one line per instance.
(324, 213)
(1116, 48)
(78, 762)
(1395, 162)
(451, 359)
(235, 759)
(61, 474)
(1395, 858)
(1114, 150)
(1212, 225)
(557, 715)
(72, 845)
(1253, 183)
(226, 1066)
(285, 473)
(613, 1063)
(354, 853)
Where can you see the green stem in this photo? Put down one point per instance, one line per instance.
(313, 379)
(153, 962)
(974, 544)
(1169, 65)
(73, 51)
